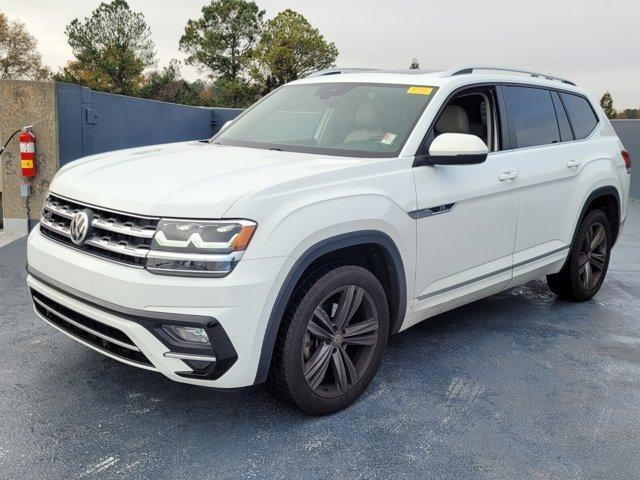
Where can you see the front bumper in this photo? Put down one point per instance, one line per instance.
(71, 290)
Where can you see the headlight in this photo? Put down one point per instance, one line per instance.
(198, 248)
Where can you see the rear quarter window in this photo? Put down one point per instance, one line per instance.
(582, 117)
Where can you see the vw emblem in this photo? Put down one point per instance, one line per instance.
(80, 226)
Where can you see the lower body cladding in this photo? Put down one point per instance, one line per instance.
(204, 332)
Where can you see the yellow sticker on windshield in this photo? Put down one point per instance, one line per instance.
(420, 90)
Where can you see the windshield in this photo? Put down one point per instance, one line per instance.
(348, 119)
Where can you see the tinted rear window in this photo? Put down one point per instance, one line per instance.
(533, 116)
(583, 119)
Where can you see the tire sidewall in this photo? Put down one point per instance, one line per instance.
(306, 399)
(580, 292)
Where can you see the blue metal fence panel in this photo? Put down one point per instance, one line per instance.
(93, 122)
(629, 133)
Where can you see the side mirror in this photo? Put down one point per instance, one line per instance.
(457, 149)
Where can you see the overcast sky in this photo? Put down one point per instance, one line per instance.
(594, 43)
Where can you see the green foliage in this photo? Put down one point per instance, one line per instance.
(112, 48)
(242, 57)
(606, 102)
(167, 85)
(226, 92)
(222, 41)
(414, 64)
(631, 113)
(19, 58)
(291, 48)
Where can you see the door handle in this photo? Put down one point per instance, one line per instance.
(504, 176)
(573, 163)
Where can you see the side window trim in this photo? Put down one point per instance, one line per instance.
(566, 112)
(506, 135)
(557, 103)
(509, 135)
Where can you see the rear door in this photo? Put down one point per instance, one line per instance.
(549, 162)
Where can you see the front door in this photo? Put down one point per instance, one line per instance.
(467, 214)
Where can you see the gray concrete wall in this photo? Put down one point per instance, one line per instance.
(27, 103)
(629, 133)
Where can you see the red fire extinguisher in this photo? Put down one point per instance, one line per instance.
(28, 153)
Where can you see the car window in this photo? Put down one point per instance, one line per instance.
(470, 112)
(563, 122)
(583, 119)
(350, 119)
(533, 116)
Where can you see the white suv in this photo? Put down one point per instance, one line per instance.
(338, 210)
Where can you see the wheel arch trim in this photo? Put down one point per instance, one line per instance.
(294, 275)
(597, 193)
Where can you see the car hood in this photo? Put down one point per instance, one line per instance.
(193, 179)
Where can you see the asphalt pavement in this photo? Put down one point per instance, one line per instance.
(519, 385)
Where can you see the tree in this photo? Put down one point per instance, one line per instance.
(414, 64)
(19, 58)
(112, 48)
(632, 113)
(606, 102)
(167, 85)
(223, 40)
(291, 48)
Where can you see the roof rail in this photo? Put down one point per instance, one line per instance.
(338, 71)
(470, 69)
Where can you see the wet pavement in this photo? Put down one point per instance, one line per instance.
(519, 385)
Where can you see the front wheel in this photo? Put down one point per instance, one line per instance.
(332, 340)
(588, 261)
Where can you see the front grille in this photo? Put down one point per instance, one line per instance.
(116, 236)
(98, 334)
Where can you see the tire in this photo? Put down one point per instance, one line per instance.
(586, 267)
(332, 340)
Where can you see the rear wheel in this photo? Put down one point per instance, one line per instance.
(585, 269)
(332, 340)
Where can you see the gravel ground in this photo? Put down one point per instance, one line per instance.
(519, 385)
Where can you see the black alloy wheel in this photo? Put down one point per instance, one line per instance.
(331, 340)
(593, 255)
(340, 341)
(586, 266)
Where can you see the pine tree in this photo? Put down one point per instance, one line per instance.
(606, 102)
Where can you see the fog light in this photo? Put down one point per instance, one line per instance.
(187, 334)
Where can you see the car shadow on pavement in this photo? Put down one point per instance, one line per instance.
(426, 354)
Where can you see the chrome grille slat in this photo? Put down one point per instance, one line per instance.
(55, 227)
(122, 229)
(119, 237)
(109, 224)
(117, 248)
(63, 212)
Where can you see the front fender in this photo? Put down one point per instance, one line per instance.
(319, 227)
(295, 273)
